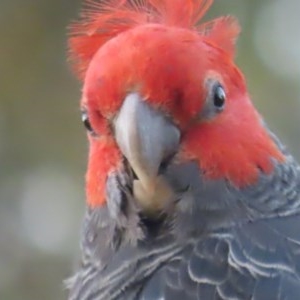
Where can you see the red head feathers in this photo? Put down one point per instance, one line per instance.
(101, 21)
(156, 50)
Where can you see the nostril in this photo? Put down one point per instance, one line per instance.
(164, 164)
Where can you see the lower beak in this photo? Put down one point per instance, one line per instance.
(146, 138)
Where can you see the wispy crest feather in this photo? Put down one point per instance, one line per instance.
(102, 20)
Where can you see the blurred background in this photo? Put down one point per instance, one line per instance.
(42, 141)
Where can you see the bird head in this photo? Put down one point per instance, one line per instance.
(161, 88)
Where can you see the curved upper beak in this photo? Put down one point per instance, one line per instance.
(146, 138)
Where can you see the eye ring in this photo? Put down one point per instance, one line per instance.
(219, 96)
(86, 122)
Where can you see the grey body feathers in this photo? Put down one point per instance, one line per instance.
(216, 242)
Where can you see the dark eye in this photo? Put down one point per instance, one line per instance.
(219, 96)
(215, 99)
(86, 122)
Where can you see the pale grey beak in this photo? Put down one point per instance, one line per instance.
(146, 138)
